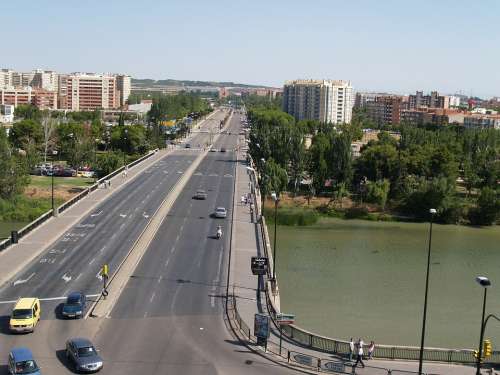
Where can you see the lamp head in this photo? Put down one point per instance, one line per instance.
(432, 211)
(483, 281)
(274, 196)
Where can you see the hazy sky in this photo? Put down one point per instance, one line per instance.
(382, 45)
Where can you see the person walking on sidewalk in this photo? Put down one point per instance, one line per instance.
(351, 349)
(371, 348)
(359, 359)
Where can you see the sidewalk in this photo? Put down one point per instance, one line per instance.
(246, 242)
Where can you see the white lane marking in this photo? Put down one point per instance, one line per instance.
(172, 249)
(228, 175)
(145, 314)
(66, 278)
(78, 276)
(159, 280)
(198, 174)
(121, 226)
(145, 215)
(216, 280)
(92, 261)
(143, 201)
(17, 282)
(103, 248)
(123, 215)
(49, 299)
(213, 175)
(113, 236)
(135, 209)
(182, 227)
(97, 214)
(180, 172)
(166, 262)
(166, 172)
(152, 297)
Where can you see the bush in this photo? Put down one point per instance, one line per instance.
(22, 208)
(356, 213)
(292, 216)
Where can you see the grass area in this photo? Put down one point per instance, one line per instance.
(24, 209)
(7, 226)
(45, 181)
(292, 216)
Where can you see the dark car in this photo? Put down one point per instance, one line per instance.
(21, 361)
(222, 149)
(200, 194)
(84, 356)
(75, 305)
(187, 145)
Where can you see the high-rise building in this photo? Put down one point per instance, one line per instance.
(327, 101)
(434, 100)
(84, 91)
(123, 84)
(385, 110)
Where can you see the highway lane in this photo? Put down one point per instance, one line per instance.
(169, 318)
(104, 235)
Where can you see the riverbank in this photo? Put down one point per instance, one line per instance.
(356, 278)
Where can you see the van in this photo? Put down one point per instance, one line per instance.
(21, 361)
(25, 315)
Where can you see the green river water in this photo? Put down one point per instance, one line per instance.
(354, 278)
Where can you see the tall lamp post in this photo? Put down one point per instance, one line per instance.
(276, 200)
(432, 211)
(485, 283)
(125, 133)
(52, 187)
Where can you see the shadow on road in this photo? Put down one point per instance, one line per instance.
(4, 325)
(235, 342)
(4, 370)
(61, 356)
(58, 311)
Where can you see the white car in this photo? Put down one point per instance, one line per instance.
(220, 212)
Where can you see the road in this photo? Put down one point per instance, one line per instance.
(170, 315)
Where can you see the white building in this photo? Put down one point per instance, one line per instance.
(454, 101)
(482, 121)
(328, 101)
(123, 85)
(6, 113)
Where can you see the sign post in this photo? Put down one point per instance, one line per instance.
(261, 329)
(282, 320)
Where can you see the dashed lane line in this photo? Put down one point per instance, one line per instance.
(49, 299)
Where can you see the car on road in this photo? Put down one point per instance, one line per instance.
(213, 149)
(75, 305)
(25, 315)
(83, 355)
(220, 212)
(222, 149)
(200, 194)
(21, 361)
(187, 145)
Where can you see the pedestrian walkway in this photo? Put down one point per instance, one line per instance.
(250, 297)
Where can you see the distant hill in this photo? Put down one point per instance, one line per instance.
(173, 82)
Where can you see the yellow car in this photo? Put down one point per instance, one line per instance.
(25, 315)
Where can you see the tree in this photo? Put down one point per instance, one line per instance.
(13, 170)
(49, 125)
(108, 162)
(27, 133)
(273, 178)
(488, 208)
(377, 192)
(27, 112)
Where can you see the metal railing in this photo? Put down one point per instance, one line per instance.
(320, 343)
(47, 215)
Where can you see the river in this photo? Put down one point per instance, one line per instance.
(355, 278)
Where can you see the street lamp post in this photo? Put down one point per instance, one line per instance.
(52, 187)
(276, 200)
(485, 283)
(124, 139)
(432, 211)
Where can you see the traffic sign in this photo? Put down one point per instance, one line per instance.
(285, 319)
(261, 326)
(259, 265)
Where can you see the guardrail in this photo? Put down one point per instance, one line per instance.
(47, 215)
(320, 343)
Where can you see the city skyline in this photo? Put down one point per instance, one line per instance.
(378, 47)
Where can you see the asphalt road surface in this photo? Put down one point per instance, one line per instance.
(169, 318)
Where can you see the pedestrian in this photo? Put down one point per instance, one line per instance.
(351, 349)
(109, 184)
(359, 359)
(242, 199)
(371, 348)
(246, 200)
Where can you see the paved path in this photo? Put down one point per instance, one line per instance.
(247, 243)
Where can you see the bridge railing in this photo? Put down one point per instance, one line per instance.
(317, 342)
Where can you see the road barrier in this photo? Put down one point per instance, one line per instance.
(47, 215)
(313, 341)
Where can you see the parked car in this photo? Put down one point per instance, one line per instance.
(21, 361)
(75, 305)
(200, 194)
(222, 149)
(212, 149)
(187, 145)
(220, 212)
(83, 355)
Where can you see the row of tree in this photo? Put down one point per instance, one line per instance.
(409, 171)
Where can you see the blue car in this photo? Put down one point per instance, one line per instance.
(21, 361)
(75, 305)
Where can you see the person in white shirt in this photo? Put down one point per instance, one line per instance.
(351, 349)
(359, 359)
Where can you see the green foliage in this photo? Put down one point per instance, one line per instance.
(377, 192)
(27, 134)
(171, 107)
(13, 169)
(292, 216)
(27, 112)
(273, 178)
(22, 208)
(129, 139)
(108, 162)
(488, 208)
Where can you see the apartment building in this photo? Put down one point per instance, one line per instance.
(386, 110)
(363, 98)
(15, 97)
(123, 85)
(482, 121)
(328, 101)
(44, 99)
(434, 116)
(434, 100)
(84, 91)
